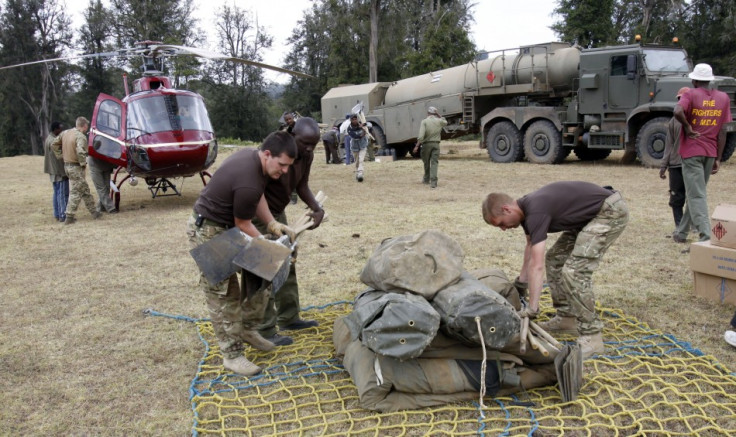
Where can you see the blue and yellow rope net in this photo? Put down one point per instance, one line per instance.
(648, 383)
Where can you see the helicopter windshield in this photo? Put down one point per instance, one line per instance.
(666, 60)
(169, 112)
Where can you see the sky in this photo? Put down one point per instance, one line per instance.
(496, 27)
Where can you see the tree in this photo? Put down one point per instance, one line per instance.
(166, 21)
(444, 41)
(238, 103)
(31, 30)
(709, 34)
(373, 48)
(98, 74)
(332, 42)
(585, 22)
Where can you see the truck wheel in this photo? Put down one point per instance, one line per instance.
(503, 142)
(730, 146)
(379, 136)
(543, 143)
(650, 141)
(585, 154)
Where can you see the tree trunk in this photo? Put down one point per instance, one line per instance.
(373, 47)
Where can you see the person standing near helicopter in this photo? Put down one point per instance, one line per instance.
(283, 309)
(100, 171)
(71, 145)
(234, 197)
(54, 167)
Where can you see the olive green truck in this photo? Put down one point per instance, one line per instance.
(538, 102)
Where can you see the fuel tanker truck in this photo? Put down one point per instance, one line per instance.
(538, 102)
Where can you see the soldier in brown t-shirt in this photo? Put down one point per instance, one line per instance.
(234, 197)
(590, 218)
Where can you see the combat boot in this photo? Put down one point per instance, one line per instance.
(96, 215)
(69, 220)
(591, 345)
(241, 366)
(560, 325)
(255, 339)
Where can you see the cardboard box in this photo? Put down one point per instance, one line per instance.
(723, 226)
(713, 260)
(714, 288)
(714, 272)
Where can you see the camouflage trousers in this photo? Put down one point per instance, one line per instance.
(283, 308)
(78, 190)
(571, 261)
(232, 309)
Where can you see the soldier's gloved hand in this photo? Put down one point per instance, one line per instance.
(521, 287)
(317, 216)
(279, 229)
(527, 311)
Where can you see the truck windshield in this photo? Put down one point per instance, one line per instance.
(168, 112)
(658, 61)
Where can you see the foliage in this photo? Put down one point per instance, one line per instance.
(236, 94)
(32, 95)
(585, 22)
(100, 74)
(331, 43)
(709, 34)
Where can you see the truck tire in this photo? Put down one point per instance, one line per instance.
(729, 147)
(379, 136)
(585, 154)
(650, 141)
(543, 143)
(503, 142)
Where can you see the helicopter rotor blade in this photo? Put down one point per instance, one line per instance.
(66, 58)
(181, 50)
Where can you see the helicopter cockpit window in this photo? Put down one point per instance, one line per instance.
(159, 113)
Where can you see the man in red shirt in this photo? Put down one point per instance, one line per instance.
(703, 114)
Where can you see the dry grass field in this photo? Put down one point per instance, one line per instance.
(79, 357)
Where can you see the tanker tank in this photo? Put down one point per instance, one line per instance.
(550, 67)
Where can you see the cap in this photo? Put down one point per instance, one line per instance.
(702, 72)
(432, 110)
(353, 116)
(682, 91)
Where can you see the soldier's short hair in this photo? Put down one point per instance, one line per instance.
(55, 125)
(81, 122)
(278, 143)
(493, 204)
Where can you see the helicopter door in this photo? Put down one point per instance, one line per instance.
(107, 133)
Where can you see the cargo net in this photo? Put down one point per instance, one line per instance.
(647, 383)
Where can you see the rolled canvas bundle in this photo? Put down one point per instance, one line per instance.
(422, 263)
(393, 325)
(460, 303)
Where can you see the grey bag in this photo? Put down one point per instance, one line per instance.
(422, 263)
(393, 325)
(496, 280)
(460, 303)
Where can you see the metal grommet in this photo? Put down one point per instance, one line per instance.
(411, 322)
(402, 341)
(492, 329)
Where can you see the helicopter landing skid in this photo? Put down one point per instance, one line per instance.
(162, 185)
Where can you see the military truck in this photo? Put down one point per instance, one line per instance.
(539, 102)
